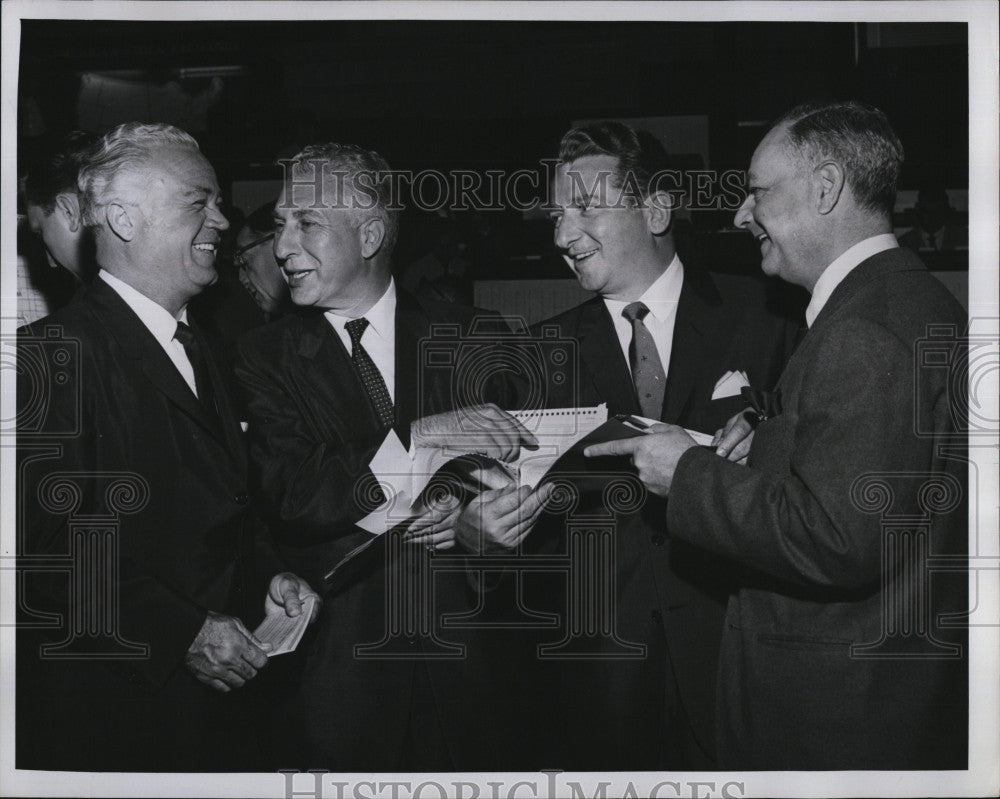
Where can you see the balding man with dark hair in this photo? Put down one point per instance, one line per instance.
(837, 653)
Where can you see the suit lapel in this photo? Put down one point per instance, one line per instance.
(601, 354)
(138, 344)
(329, 368)
(411, 326)
(700, 329)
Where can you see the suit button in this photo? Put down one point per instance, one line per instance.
(657, 540)
(656, 616)
(241, 499)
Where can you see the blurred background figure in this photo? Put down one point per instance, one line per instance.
(251, 291)
(55, 251)
(936, 227)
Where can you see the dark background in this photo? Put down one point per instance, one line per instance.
(499, 95)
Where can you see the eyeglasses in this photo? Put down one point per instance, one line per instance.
(239, 257)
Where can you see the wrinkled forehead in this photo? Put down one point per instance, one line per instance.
(318, 186)
(775, 154)
(172, 168)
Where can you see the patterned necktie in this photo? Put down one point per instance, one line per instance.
(193, 347)
(370, 375)
(647, 370)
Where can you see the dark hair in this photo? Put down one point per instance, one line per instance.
(55, 170)
(859, 137)
(640, 155)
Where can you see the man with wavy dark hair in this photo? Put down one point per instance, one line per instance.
(658, 341)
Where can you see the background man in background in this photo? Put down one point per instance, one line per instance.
(49, 274)
(817, 669)
(935, 228)
(656, 342)
(255, 293)
(327, 389)
(146, 439)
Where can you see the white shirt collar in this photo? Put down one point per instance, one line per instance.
(843, 265)
(159, 320)
(381, 316)
(662, 295)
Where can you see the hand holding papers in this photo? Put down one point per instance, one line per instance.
(291, 605)
(282, 631)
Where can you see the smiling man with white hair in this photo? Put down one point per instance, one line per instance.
(145, 433)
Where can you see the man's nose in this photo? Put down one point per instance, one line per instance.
(566, 232)
(217, 219)
(283, 244)
(744, 215)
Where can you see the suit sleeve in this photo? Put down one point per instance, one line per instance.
(856, 412)
(63, 445)
(315, 484)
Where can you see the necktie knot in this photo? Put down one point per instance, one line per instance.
(184, 335)
(356, 329)
(635, 311)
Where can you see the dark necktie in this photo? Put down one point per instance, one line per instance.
(647, 371)
(196, 355)
(370, 375)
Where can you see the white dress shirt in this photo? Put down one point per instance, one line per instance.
(842, 267)
(379, 337)
(160, 322)
(661, 298)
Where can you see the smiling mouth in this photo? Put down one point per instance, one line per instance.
(582, 256)
(206, 246)
(294, 278)
(761, 238)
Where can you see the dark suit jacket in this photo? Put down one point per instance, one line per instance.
(101, 400)
(865, 425)
(670, 597)
(313, 434)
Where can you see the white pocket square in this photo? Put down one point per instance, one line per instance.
(729, 385)
(244, 426)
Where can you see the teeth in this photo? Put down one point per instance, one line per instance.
(762, 237)
(582, 255)
(205, 246)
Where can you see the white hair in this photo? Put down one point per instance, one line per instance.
(116, 155)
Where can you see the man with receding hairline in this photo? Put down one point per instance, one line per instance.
(836, 652)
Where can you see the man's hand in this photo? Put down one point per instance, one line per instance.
(500, 519)
(654, 454)
(733, 441)
(434, 528)
(289, 591)
(485, 429)
(225, 654)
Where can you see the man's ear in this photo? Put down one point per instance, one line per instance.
(658, 212)
(120, 221)
(68, 207)
(829, 179)
(372, 234)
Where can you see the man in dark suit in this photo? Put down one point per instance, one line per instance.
(836, 651)
(142, 559)
(331, 392)
(656, 342)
